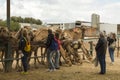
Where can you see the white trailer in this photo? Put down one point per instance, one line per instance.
(108, 28)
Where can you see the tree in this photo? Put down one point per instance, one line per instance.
(3, 23)
(14, 26)
(38, 22)
(26, 20)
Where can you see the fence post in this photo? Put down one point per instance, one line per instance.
(8, 63)
(118, 48)
(91, 47)
(8, 54)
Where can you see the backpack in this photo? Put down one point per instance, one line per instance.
(54, 44)
(27, 47)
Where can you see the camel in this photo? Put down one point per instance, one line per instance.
(41, 37)
(71, 36)
(38, 39)
(5, 38)
(36, 43)
(66, 35)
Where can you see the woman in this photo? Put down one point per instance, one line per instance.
(24, 54)
(111, 46)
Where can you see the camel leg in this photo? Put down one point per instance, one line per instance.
(2, 56)
(62, 51)
(77, 57)
(17, 61)
(29, 58)
(35, 59)
(72, 54)
(18, 66)
(86, 52)
(42, 55)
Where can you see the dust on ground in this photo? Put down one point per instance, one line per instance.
(86, 71)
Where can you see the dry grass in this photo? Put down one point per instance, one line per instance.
(87, 71)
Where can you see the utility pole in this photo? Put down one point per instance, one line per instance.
(8, 14)
(8, 63)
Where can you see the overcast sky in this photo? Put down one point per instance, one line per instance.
(64, 10)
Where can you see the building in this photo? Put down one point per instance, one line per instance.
(32, 26)
(108, 28)
(71, 25)
(25, 24)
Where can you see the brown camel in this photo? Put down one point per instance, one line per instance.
(5, 38)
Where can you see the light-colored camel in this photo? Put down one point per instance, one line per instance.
(72, 36)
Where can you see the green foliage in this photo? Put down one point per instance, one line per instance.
(3, 23)
(14, 26)
(26, 20)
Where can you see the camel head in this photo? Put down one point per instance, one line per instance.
(4, 33)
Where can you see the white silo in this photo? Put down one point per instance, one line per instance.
(95, 20)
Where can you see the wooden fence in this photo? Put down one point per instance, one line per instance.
(91, 48)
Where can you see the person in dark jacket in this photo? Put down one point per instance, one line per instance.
(51, 49)
(101, 48)
(23, 53)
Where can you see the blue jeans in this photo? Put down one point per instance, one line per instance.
(102, 62)
(57, 58)
(50, 54)
(24, 61)
(111, 52)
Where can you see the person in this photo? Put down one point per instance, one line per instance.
(57, 56)
(24, 54)
(51, 49)
(100, 48)
(111, 46)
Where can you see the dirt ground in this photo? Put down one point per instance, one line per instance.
(86, 71)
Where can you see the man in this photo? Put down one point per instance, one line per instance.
(51, 49)
(101, 48)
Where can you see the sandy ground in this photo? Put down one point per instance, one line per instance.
(86, 71)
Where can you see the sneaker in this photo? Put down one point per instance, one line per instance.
(25, 73)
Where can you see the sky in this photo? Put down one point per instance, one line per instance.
(56, 11)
